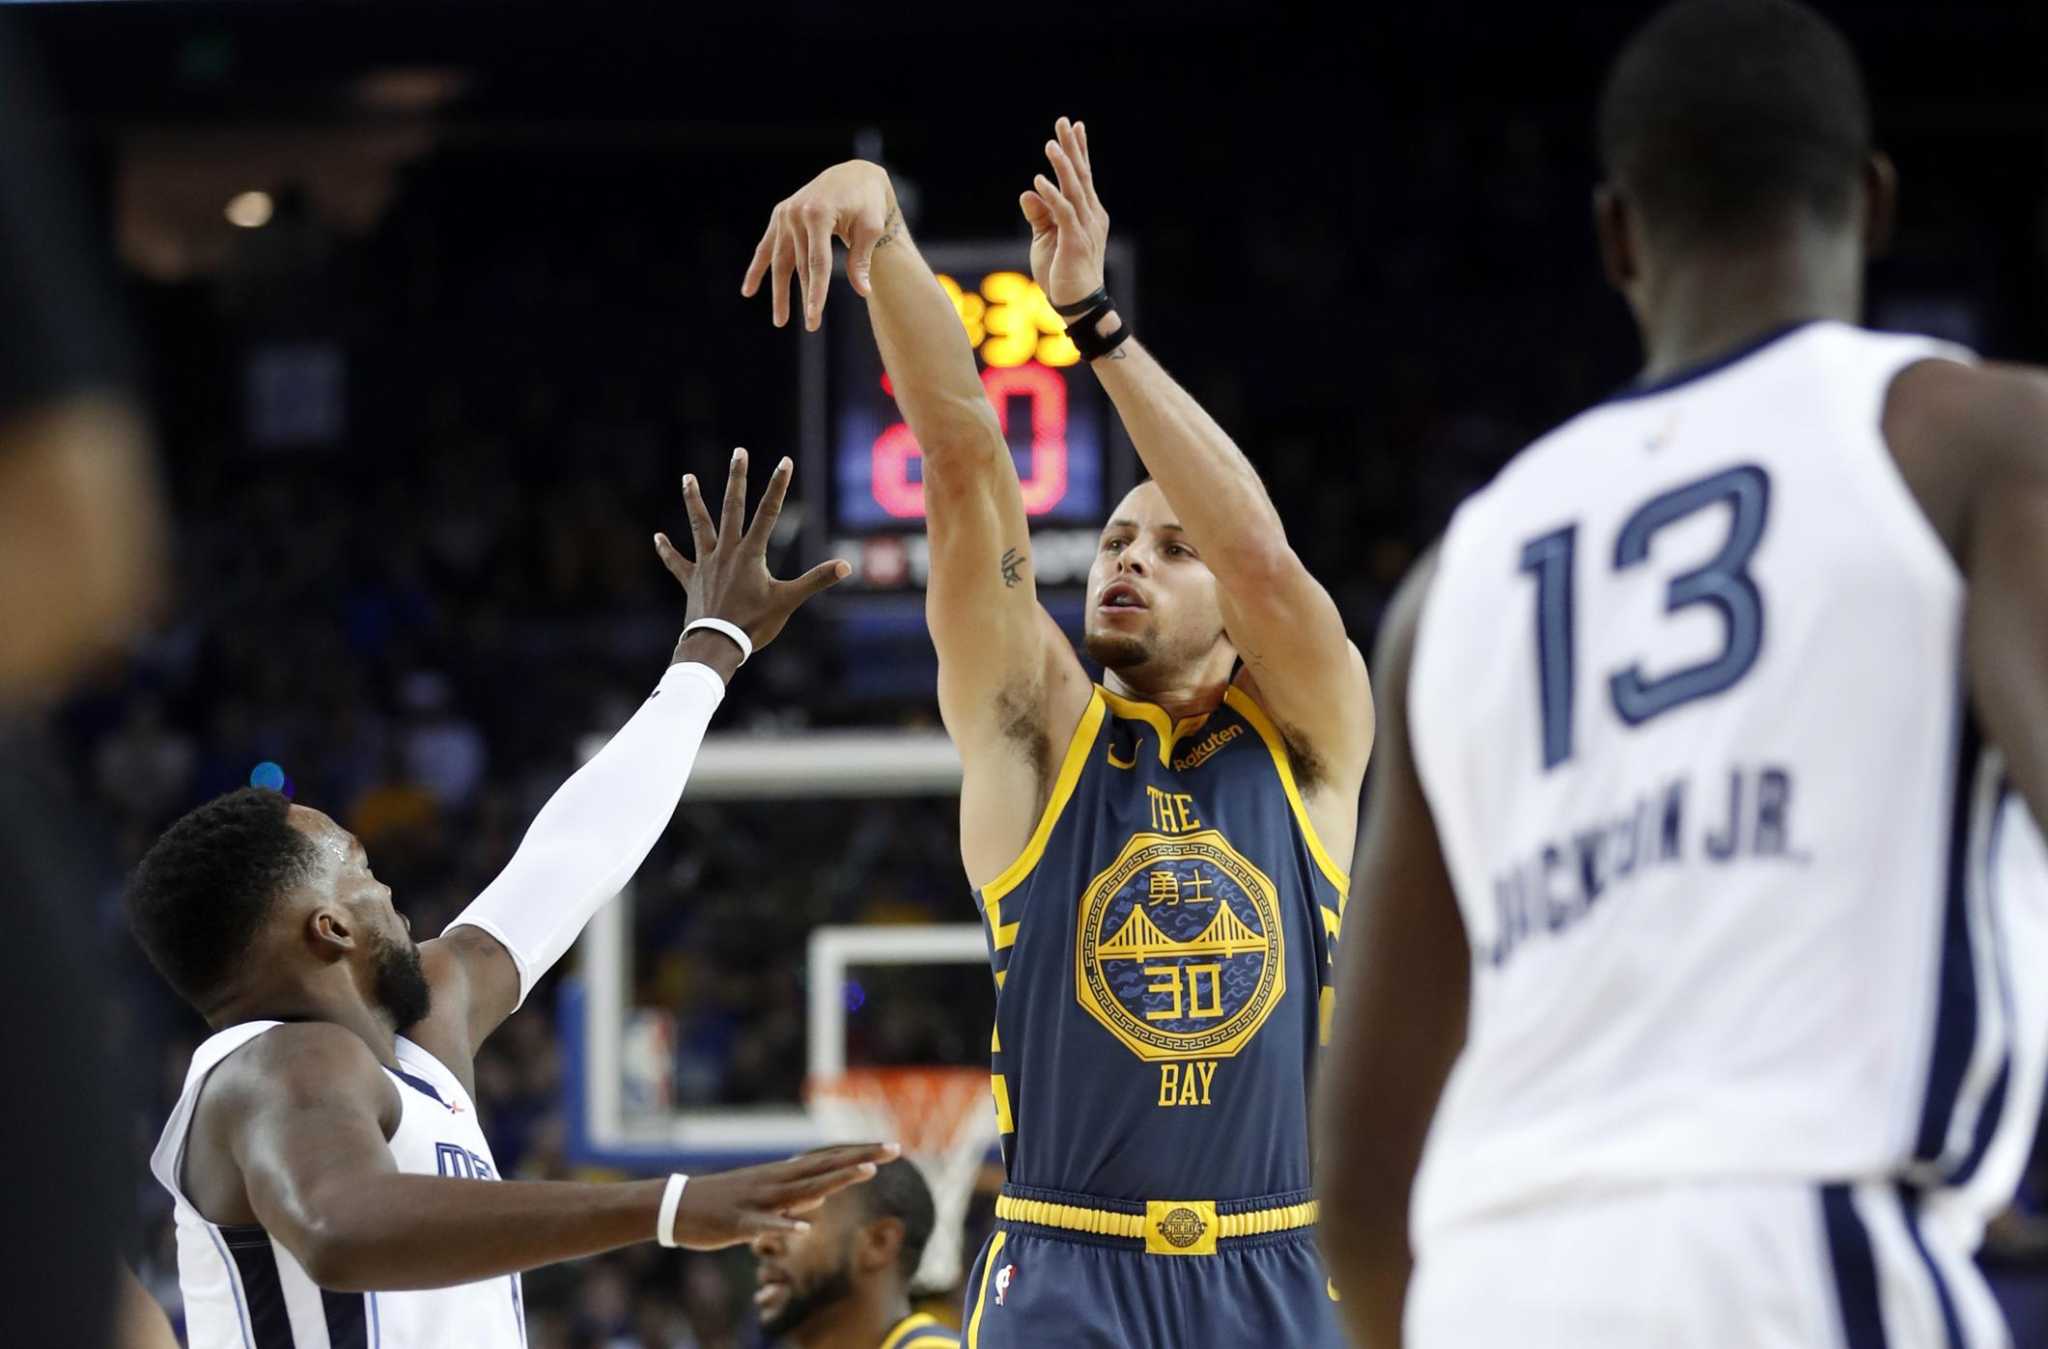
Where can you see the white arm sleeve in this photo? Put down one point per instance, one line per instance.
(598, 827)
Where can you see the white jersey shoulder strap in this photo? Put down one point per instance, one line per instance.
(167, 1161)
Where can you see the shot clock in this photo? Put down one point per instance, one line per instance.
(1073, 460)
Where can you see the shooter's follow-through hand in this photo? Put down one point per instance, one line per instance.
(852, 202)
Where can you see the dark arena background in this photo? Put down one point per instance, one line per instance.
(433, 305)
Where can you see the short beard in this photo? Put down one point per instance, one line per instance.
(401, 987)
(805, 1303)
(1116, 651)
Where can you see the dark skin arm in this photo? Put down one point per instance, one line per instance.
(291, 1130)
(1972, 443)
(1403, 985)
(475, 983)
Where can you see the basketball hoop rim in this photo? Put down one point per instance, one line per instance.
(930, 1109)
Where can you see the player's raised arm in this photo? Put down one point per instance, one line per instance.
(598, 827)
(1402, 987)
(1009, 683)
(1279, 617)
(304, 1112)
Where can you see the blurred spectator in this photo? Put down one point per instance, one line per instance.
(444, 751)
(145, 767)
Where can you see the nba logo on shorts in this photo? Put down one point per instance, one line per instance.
(1003, 1282)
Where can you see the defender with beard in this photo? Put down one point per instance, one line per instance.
(325, 1156)
(1161, 859)
(845, 1284)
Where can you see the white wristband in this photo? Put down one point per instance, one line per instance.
(733, 630)
(664, 1225)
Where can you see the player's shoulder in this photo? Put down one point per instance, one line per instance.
(1563, 464)
(1963, 433)
(294, 1060)
(1995, 410)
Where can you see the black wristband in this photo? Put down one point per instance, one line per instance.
(1082, 305)
(1088, 341)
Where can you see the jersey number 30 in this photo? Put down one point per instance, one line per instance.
(1723, 582)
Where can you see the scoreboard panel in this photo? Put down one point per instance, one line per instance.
(1073, 460)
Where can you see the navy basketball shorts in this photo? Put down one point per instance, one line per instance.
(1036, 1285)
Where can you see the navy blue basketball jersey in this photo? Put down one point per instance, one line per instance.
(1162, 952)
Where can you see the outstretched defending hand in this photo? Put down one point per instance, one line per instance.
(1069, 228)
(729, 578)
(729, 1207)
(852, 202)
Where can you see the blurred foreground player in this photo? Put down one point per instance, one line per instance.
(81, 536)
(326, 1153)
(1161, 858)
(1694, 845)
(845, 1284)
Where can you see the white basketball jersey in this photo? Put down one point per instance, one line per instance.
(1742, 885)
(244, 1290)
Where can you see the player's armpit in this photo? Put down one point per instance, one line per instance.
(1311, 677)
(1011, 727)
(1403, 983)
(476, 986)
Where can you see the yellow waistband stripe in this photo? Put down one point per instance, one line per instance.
(1167, 1227)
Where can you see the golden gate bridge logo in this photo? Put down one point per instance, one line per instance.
(1181, 951)
(1140, 939)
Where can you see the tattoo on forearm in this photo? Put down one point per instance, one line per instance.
(891, 227)
(1118, 354)
(1012, 561)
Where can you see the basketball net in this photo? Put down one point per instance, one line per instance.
(946, 1123)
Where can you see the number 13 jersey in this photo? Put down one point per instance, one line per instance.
(1741, 882)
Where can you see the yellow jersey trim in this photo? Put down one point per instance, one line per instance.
(995, 1248)
(921, 1321)
(999, 1090)
(1062, 791)
(1276, 745)
(1153, 715)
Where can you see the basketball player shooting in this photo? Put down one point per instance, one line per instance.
(1701, 929)
(325, 1156)
(1161, 858)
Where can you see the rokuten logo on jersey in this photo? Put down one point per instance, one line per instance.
(1180, 953)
